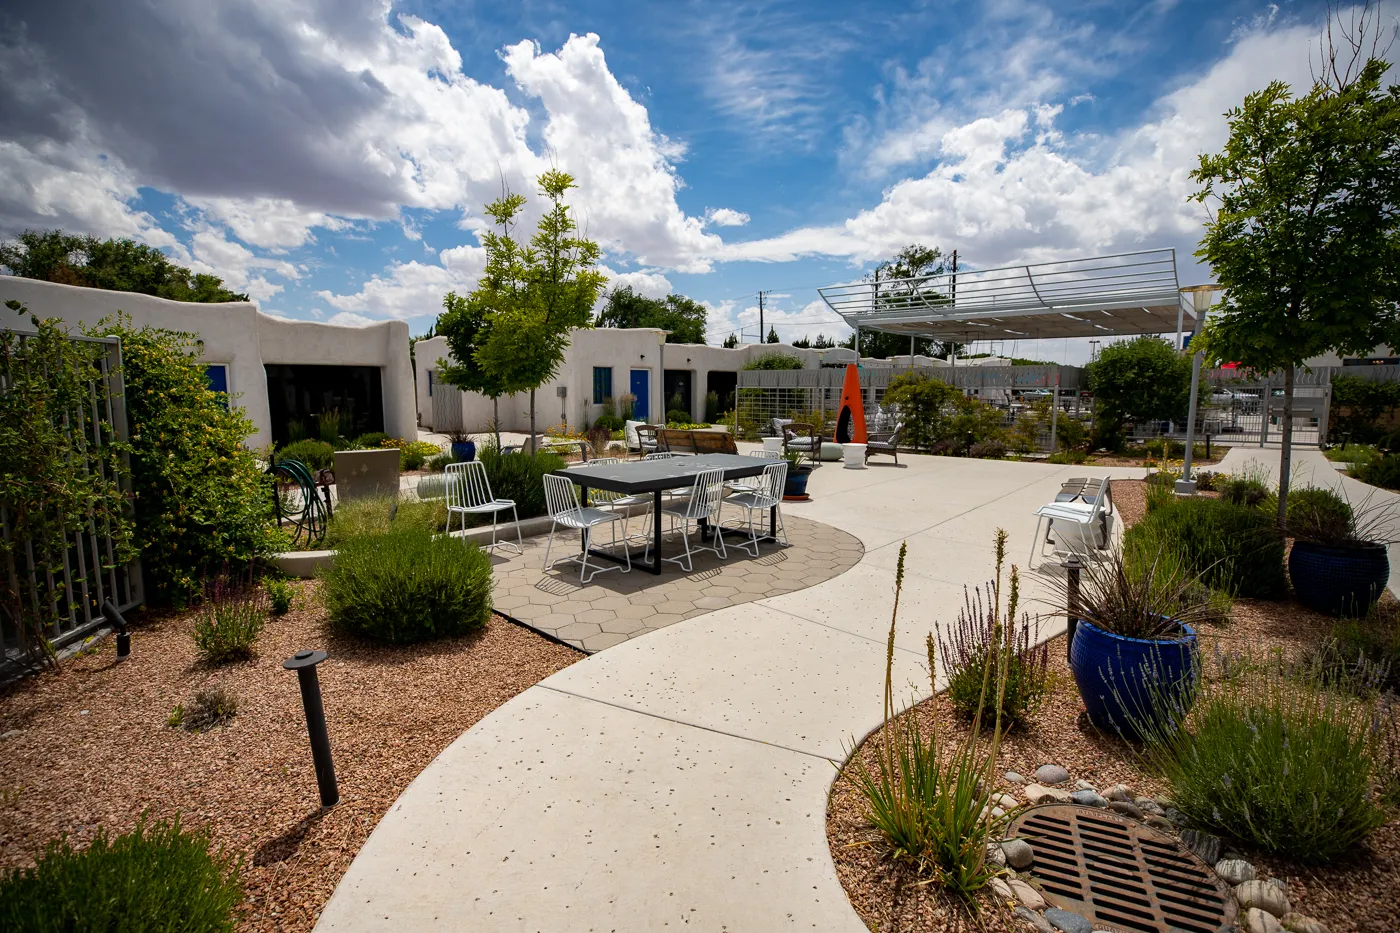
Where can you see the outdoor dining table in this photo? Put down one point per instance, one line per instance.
(657, 477)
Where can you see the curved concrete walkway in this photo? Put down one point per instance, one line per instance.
(679, 780)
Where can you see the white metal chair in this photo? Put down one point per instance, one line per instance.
(750, 483)
(1079, 526)
(561, 496)
(620, 502)
(767, 494)
(701, 504)
(469, 493)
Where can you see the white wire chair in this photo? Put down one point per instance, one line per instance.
(469, 493)
(767, 494)
(702, 504)
(561, 496)
(750, 483)
(620, 502)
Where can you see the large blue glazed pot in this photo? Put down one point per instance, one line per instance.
(1127, 683)
(1338, 580)
(795, 486)
(463, 451)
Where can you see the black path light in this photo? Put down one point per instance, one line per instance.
(304, 663)
(109, 609)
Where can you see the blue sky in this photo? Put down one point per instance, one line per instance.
(331, 158)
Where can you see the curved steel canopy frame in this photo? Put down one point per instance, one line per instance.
(1121, 294)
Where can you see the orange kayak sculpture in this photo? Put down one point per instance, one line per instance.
(850, 422)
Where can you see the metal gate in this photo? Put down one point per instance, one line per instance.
(85, 573)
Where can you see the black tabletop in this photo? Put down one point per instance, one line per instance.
(639, 476)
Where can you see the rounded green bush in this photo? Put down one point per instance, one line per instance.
(371, 441)
(405, 585)
(611, 422)
(1233, 548)
(314, 454)
(152, 878)
(1320, 515)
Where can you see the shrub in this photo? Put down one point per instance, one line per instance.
(712, 412)
(375, 515)
(229, 622)
(1320, 515)
(407, 585)
(154, 878)
(611, 422)
(413, 454)
(1137, 381)
(1363, 410)
(1383, 471)
(1243, 489)
(1229, 547)
(1072, 457)
(212, 706)
(372, 440)
(678, 416)
(934, 809)
(1206, 481)
(993, 449)
(1279, 763)
(279, 595)
(333, 426)
(520, 476)
(771, 361)
(1362, 653)
(202, 501)
(977, 640)
(313, 454)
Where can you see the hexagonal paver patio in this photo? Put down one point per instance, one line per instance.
(617, 606)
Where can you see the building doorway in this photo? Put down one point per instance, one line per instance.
(298, 395)
(679, 396)
(641, 390)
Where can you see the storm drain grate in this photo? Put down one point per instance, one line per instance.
(1120, 874)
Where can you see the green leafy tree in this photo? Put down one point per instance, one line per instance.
(556, 284)
(927, 406)
(1137, 381)
(683, 317)
(119, 265)
(203, 505)
(466, 324)
(731, 341)
(1304, 236)
(772, 335)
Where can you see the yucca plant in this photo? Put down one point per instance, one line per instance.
(936, 813)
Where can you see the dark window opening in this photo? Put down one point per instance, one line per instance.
(602, 384)
(678, 394)
(301, 393)
(722, 384)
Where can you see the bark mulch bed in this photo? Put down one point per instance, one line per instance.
(1353, 895)
(89, 746)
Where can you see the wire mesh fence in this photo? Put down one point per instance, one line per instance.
(68, 585)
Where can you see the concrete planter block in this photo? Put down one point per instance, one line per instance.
(360, 473)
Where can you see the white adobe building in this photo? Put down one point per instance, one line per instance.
(600, 363)
(278, 370)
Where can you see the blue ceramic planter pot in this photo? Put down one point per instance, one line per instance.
(796, 482)
(1338, 580)
(463, 451)
(1128, 682)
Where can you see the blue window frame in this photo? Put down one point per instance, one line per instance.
(602, 384)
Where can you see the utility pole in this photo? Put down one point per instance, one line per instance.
(762, 334)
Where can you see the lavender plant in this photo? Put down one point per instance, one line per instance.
(980, 635)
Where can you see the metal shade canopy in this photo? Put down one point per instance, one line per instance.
(1123, 294)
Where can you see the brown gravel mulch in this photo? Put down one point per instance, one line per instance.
(1352, 895)
(89, 745)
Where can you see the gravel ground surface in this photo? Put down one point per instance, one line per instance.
(1354, 895)
(89, 746)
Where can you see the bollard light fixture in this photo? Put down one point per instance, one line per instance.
(304, 663)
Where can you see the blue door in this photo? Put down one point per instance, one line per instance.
(641, 384)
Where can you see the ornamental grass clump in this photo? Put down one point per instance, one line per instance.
(1280, 762)
(408, 585)
(930, 803)
(980, 636)
(1236, 549)
(229, 621)
(157, 877)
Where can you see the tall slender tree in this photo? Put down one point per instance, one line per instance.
(559, 283)
(1305, 237)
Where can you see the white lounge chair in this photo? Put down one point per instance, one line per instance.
(1080, 519)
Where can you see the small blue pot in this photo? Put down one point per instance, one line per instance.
(464, 451)
(1128, 683)
(1338, 580)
